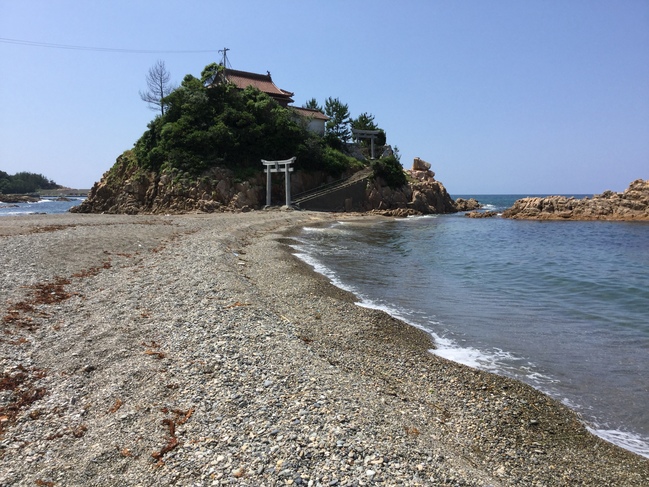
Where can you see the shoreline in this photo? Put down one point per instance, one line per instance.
(286, 378)
(627, 439)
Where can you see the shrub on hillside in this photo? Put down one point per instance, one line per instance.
(390, 170)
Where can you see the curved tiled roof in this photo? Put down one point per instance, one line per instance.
(263, 82)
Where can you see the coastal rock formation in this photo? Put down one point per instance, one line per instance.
(422, 195)
(481, 214)
(18, 198)
(421, 165)
(632, 204)
(467, 205)
(125, 188)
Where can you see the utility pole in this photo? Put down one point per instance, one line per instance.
(225, 56)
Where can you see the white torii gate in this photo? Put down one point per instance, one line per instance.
(279, 166)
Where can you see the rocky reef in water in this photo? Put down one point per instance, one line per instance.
(127, 189)
(630, 205)
(18, 198)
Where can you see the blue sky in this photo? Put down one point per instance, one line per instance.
(501, 96)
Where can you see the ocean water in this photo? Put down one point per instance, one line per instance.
(563, 306)
(45, 205)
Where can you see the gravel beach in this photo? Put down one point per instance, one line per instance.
(195, 350)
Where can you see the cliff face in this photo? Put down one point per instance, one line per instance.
(128, 189)
(632, 204)
(422, 195)
(152, 193)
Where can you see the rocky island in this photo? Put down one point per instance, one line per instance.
(630, 205)
(204, 153)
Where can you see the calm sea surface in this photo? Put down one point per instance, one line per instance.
(563, 306)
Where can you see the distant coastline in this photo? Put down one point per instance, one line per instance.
(45, 193)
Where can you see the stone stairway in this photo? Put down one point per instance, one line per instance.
(333, 196)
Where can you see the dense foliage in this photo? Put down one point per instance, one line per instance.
(208, 124)
(365, 121)
(24, 182)
(390, 170)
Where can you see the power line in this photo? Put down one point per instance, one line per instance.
(97, 49)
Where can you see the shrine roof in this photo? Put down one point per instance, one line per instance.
(263, 82)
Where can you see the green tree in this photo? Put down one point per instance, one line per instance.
(390, 170)
(4, 181)
(158, 81)
(206, 125)
(365, 121)
(312, 104)
(337, 126)
(24, 182)
(212, 73)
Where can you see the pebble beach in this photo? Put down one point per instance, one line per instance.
(195, 350)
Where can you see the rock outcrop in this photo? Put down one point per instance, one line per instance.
(467, 205)
(481, 214)
(126, 188)
(18, 198)
(632, 204)
(422, 195)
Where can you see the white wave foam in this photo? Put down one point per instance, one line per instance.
(316, 229)
(538, 378)
(338, 228)
(411, 218)
(628, 441)
(14, 213)
(496, 361)
(394, 312)
(321, 269)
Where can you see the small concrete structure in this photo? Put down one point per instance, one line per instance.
(314, 120)
(279, 166)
